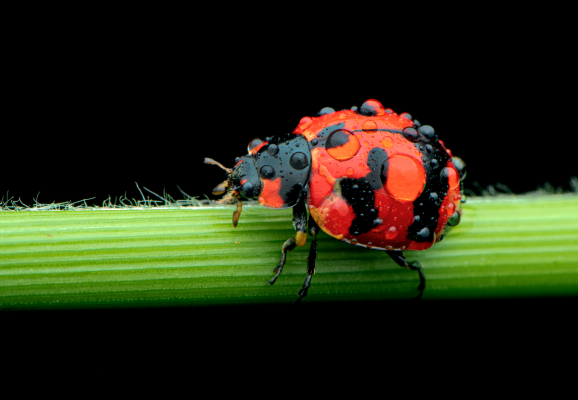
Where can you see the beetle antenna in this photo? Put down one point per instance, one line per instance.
(218, 164)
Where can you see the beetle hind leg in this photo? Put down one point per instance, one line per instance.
(400, 260)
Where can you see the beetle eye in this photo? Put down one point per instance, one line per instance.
(254, 143)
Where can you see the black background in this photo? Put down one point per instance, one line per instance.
(96, 101)
(90, 110)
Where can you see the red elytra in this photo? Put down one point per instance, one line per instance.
(406, 177)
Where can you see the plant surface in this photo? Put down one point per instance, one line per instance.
(507, 246)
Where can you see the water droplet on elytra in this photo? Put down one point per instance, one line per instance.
(372, 107)
(454, 219)
(369, 126)
(391, 232)
(387, 142)
(410, 134)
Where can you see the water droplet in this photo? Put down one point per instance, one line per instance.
(349, 171)
(253, 143)
(366, 143)
(299, 161)
(452, 177)
(391, 233)
(454, 219)
(377, 221)
(369, 245)
(272, 149)
(372, 107)
(342, 145)
(267, 172)
(369, 126)
(314, 142)
(305, 120)
(406, 178)
(355, 187)
(406, 116)
(427, 132)
(353, 241)
(261, 200)
(416, 218)
(387, 142)
(326, 110)
(361, 166)
(423, 234)
(354, 108)
(450, 209)
(428, 148)
(410, 134)
(434, 163)
(389, 111)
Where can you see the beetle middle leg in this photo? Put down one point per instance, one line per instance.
(313, 231)
(400, 260)
(300, 223)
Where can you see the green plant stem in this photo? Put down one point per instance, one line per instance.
(510, 246)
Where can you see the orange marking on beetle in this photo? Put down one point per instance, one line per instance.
(336, 216)
(327, 175)
(269, 196)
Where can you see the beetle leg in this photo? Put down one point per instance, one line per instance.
(287, 246)
(399, 258)
(299, 222)
(313, 231)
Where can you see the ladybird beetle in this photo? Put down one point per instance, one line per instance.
(369, 177)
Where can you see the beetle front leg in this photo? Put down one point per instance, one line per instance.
(300, 223)
(399, 258)
(313, 231)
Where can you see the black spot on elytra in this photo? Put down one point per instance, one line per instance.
(427, 205)
(359, 194)
(377, 162)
